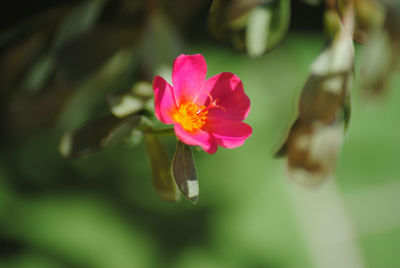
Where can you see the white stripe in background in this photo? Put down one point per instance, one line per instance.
(326, 225)
(375, 209)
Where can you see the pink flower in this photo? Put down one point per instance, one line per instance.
(204, 112)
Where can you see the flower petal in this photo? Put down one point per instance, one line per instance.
(164, 100)
(227, 89)
(188, 77)
(229, 133)
(198, 138)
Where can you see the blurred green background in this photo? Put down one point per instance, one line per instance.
(102, 211)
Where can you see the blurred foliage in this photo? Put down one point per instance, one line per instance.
(254, 26)
(77, 76)
(98, 48)
(315, 139)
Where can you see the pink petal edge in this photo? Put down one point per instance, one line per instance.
(229, 133)
(188, 76)
(198, 138)
(227, 89)
(164, 100)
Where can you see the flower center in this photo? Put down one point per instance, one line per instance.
(190, 116)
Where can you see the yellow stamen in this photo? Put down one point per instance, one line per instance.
(190, 116)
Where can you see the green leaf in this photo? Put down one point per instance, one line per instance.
(98, 133)
(131, 102)
(86, 139)
(161, 169)
(121, 130)
(280, 23)
(184, 171)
